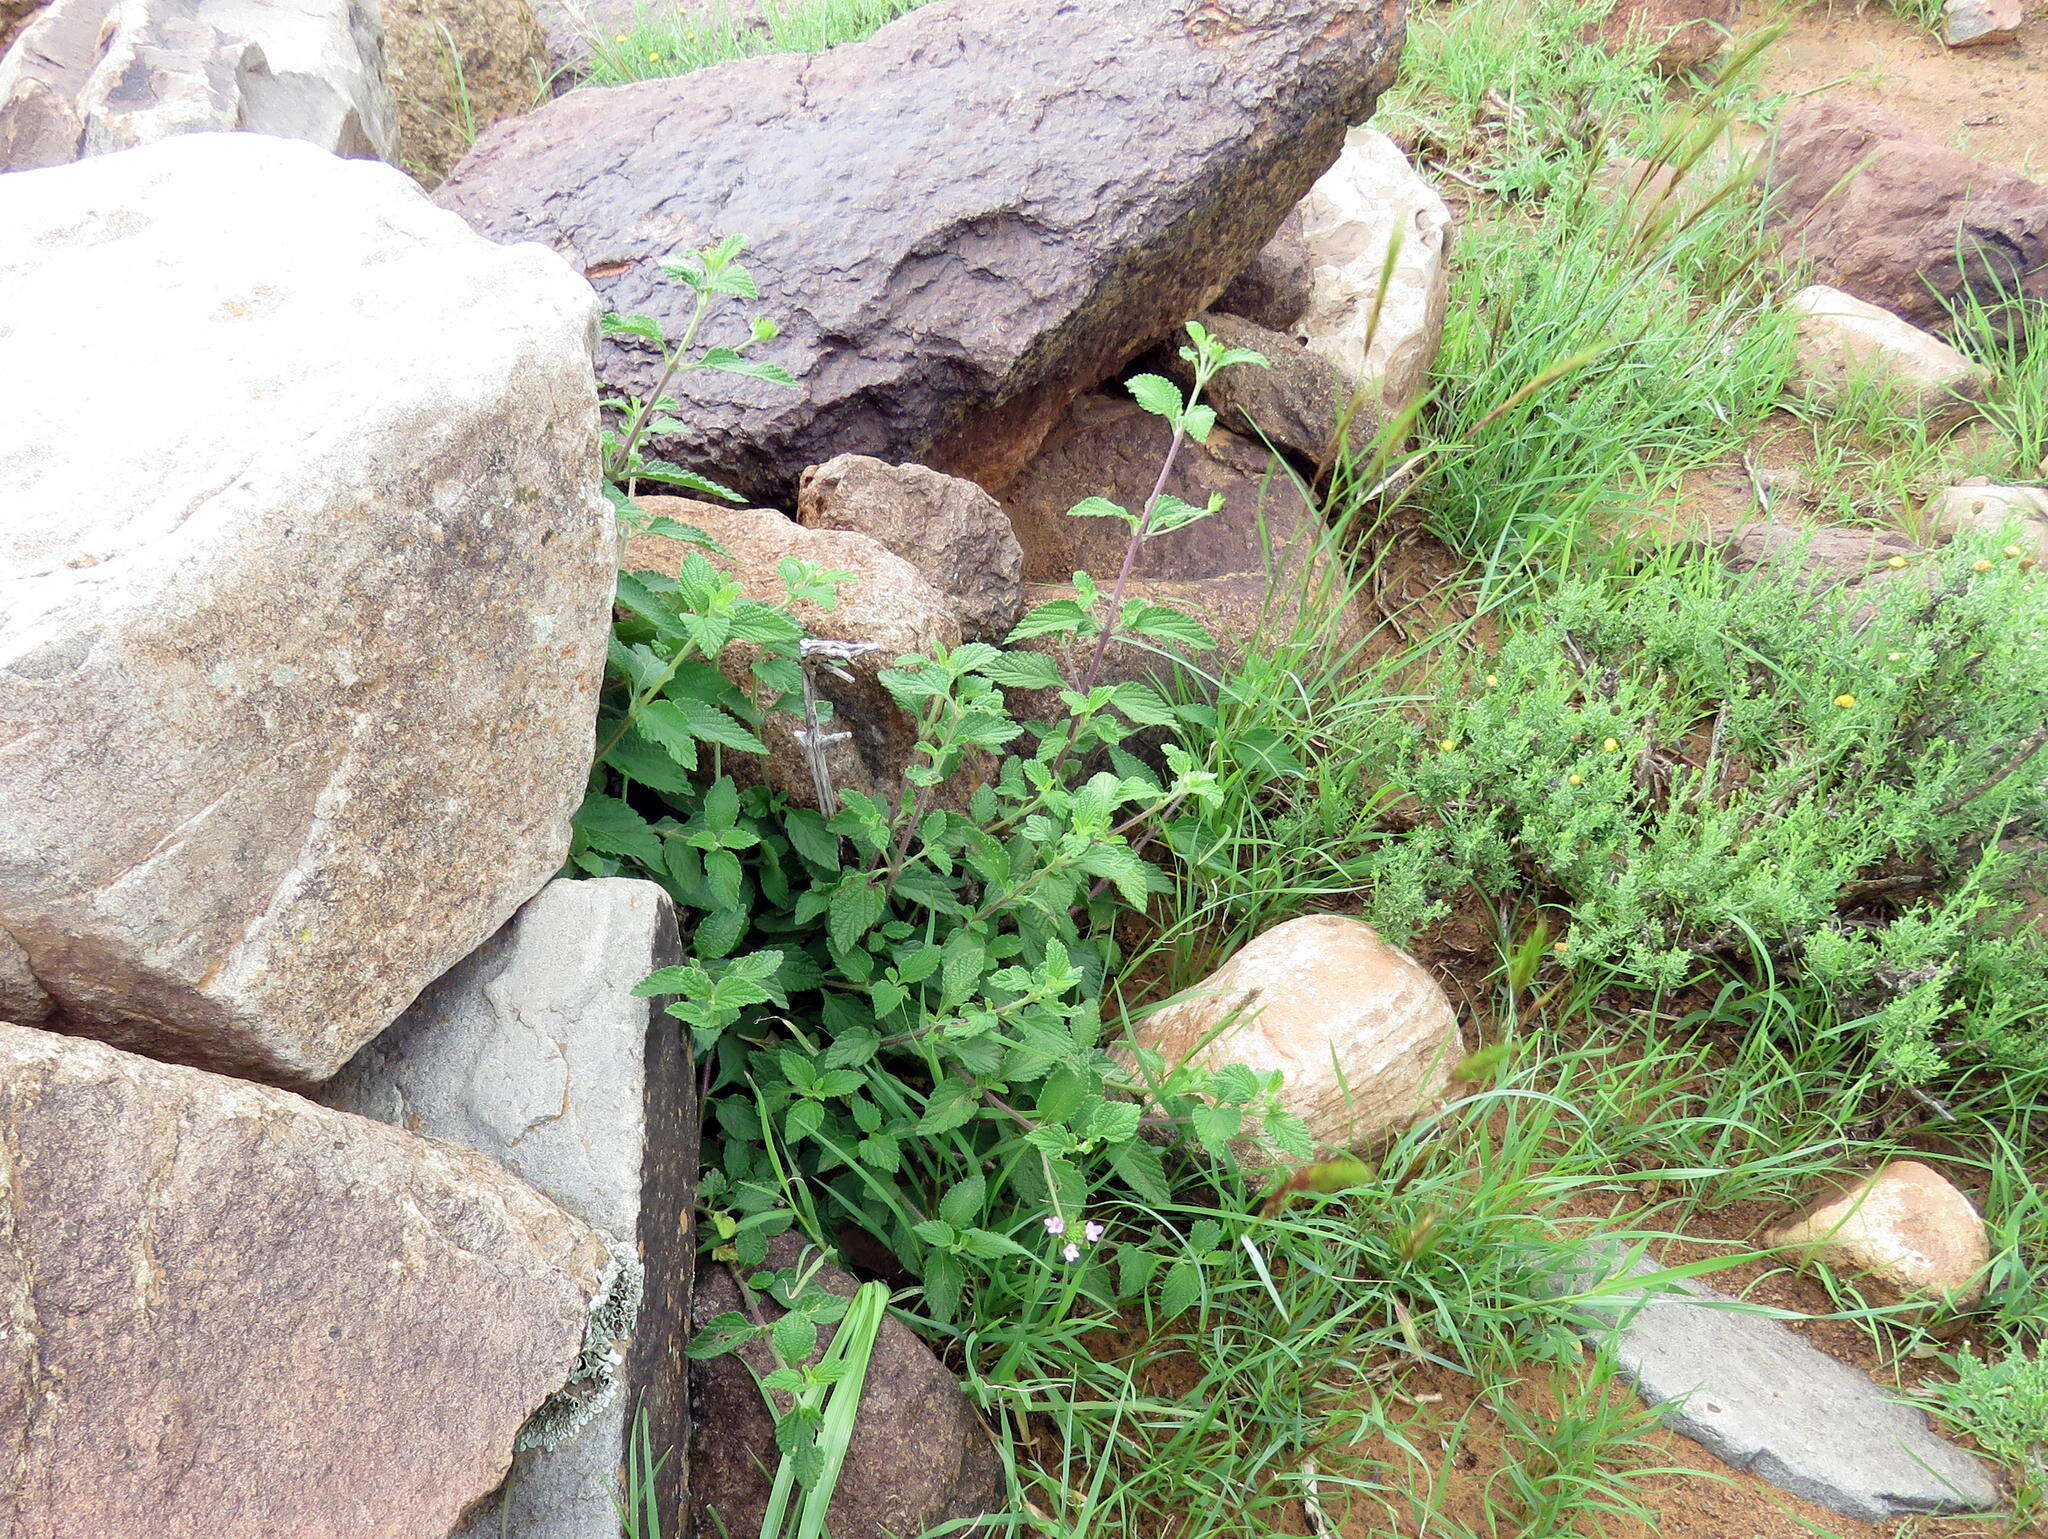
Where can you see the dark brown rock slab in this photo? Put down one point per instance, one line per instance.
(235, 1313)
(960, 224)
(1898, 218)
(1300, 402)
(919, 1456)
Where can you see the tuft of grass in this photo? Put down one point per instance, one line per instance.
(678, 38)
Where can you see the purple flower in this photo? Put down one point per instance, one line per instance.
(1070, 1251)
(1055, 1225)
(1092, 1231)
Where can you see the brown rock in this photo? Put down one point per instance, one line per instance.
(1966, 23)
(886, 602)
(1898, 218)
(1302, 403)
(1366, 1038)
(953, 532)
(1905, 1231)
(22, 999)
(456, 67)
(919, 1456)
(932, 215)
(1274, 291)
(1824, 557)
(1104, 447)
(236, 1313)
(1687, 32)
(1845, 343)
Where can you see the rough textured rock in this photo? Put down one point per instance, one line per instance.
(1899, 218)
(299, 689)
(22, 999)
(931, 214)
(534, 1052)
(953, 532)
(1366, 1038)
(1274, 290)
(1687, 32)
(1844, 342)
(235, 1313)
(1302, 403)
(456, 67)
(1966, 23)
(1978, 507)
(1764, 1399)
(919, 1456)
(1369, 200)
(887, 602)
(92, 76)
(1105, 447)
(1905, 1233)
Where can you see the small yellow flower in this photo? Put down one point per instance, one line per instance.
(618, 37)
(1493, 681)
(1560, 948)
(1980, 566)
(1575, 780)
(1896, 656)
(1612, 745)
(2012, 553)
(1447, 745)
(1896, 562)
(1845, 701)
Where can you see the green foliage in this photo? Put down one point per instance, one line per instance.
(894, 993)
(677, 37)
(2002, 1402)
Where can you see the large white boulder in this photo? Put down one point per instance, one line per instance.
(304, 586)
(1844, 344)
(1370, 203)
(1365, 1037)
(91, 76)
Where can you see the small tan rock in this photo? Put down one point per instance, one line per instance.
(1981, 508)
(1844, 340)
(1905, 1230)
(1370, 205)
(1365, 1036)
(886, 602)
(1966, 23)
(233, 1313)
(953, 532)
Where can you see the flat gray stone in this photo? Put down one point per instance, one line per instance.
(1762, 1398)
(534, 1052)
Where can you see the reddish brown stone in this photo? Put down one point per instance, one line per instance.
(1900, 219)
(1687, 32)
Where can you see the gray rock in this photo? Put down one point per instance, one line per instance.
(298, 690)
(92, 76)
(534, 1051)
(1764, 1399)
(953, 532)
(960, 224)
(233, 1313)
